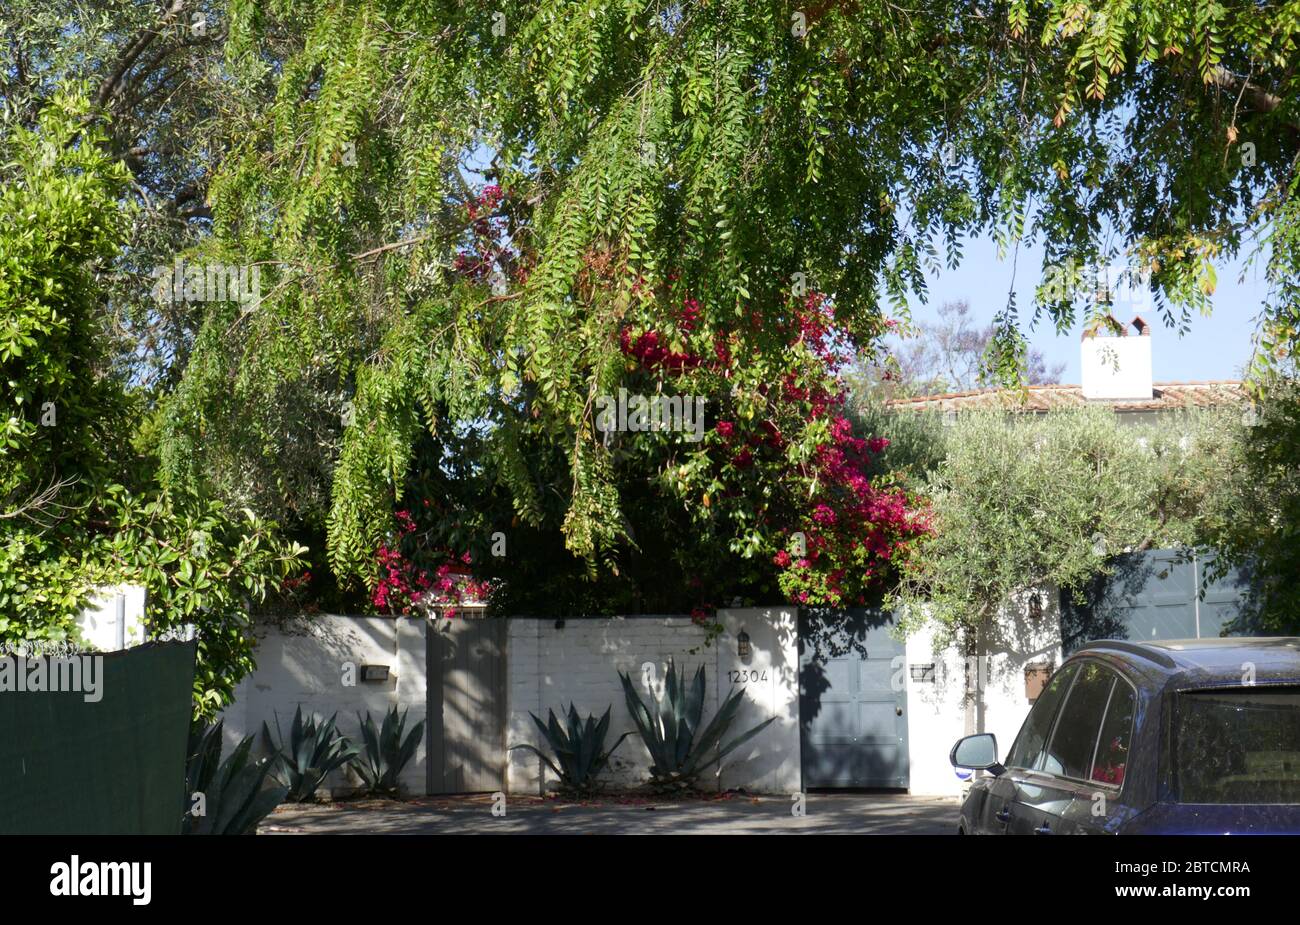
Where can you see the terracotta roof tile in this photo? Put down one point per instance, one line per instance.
(1166, 396)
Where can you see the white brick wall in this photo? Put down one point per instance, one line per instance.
(305, 664)
(548, 666)
(937, 717)
(578, 661)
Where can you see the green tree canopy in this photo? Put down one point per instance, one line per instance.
(1024, 502)
(459, 211)
(79, 508)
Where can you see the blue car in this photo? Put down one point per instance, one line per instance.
(1183, 737)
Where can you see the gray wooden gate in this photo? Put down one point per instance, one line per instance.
(467, 705)
(1157, 594)
(852, 704)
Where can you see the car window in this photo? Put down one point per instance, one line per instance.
(1238, 746)
(1074, 738)
(1028, 747)
(1111, 759)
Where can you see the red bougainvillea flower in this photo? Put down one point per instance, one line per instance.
(401, 586)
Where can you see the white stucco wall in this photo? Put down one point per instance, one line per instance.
(99, 621)
(938, 714)
(578, 661)
(548, 666)
(305, 663)
(769, 763)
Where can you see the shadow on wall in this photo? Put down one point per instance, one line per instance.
(1099, 610)
(825, 634)
(1158, 594)
(316, 663)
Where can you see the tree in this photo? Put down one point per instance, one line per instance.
(458, 210)
(77, 501)
(59, 224)
(637, 157)
(950, 355)
(1254, 513)
(151, 69)
(1026, 502)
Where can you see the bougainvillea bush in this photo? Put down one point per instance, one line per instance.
(774, 495)
(782, 499)
(412, 576)
(781, 467)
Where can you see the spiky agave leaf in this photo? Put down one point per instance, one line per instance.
(235, 791)
(579, 751)
(679, 750)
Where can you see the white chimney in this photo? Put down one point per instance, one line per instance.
(1117, 367)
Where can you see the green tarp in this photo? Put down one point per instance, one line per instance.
(106, 758)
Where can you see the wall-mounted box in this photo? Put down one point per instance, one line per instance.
(1036, 676)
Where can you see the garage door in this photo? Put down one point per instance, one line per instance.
(1154, 595)
(852, 702)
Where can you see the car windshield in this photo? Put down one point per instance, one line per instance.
(1238, 746)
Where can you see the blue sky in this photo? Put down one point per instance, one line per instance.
(1215, 347)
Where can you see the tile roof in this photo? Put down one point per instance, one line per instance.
(1166, 396)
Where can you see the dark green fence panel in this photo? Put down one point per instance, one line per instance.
(105, 761)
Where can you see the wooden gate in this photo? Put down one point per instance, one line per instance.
(467, 705)
(1156, 594)
(852, 702)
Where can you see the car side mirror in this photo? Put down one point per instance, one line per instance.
(977, 752)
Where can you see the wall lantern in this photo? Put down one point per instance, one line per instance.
(1035, 607)
(743, 648)
(922, 672)
(374, 672)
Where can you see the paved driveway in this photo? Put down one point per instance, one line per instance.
(730, 814)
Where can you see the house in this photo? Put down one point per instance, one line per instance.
(1158, 599)
(1116, 371)
(855, 706)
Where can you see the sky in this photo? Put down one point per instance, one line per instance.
(1217, 347)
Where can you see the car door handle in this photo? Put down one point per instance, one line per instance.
(1043, 829)
(1002, 815)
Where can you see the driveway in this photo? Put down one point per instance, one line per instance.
(726, 814)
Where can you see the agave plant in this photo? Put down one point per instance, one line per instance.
(235, 795)
(579, 750)
(312, 751)
(386, 752)
(679, 750)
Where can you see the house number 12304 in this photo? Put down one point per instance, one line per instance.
(745, 676)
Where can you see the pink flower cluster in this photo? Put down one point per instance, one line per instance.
(649, 350)
(403, 586)
(476, 260)
(850, 528)
(689, 317)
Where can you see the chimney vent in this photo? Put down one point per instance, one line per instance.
(1115, 367)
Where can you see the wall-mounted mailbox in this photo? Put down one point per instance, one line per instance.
(1036, 676)
(923, 673)
(374, 672)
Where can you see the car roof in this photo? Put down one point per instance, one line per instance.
(1205, 662)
